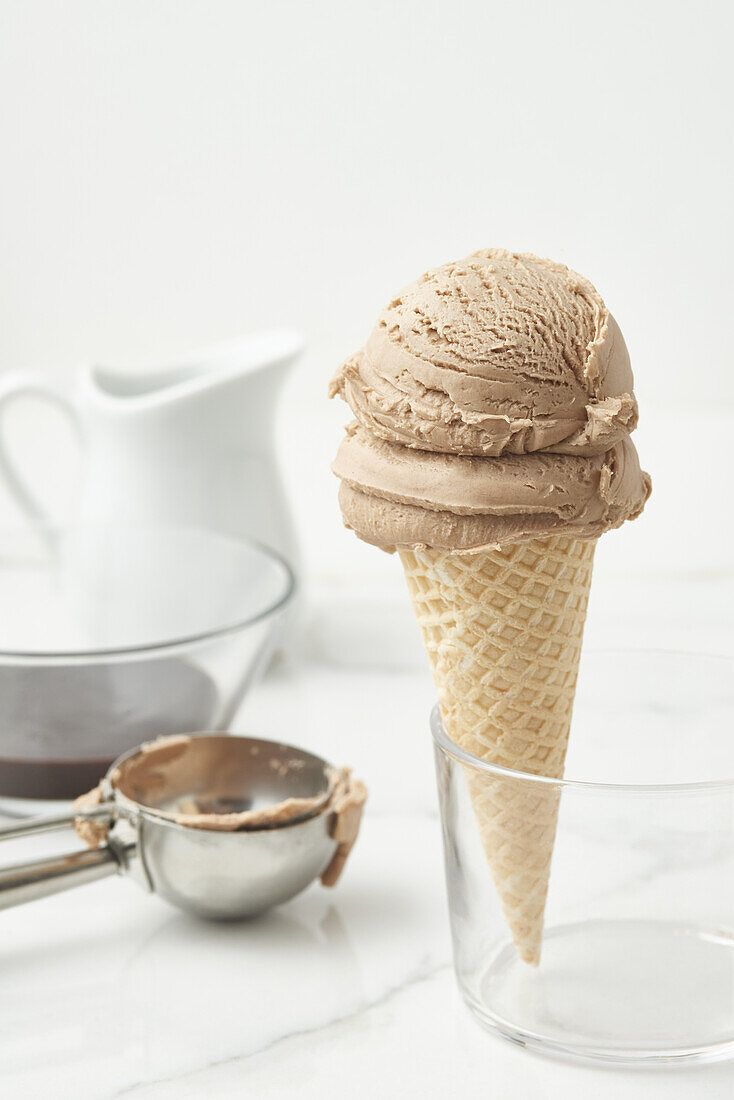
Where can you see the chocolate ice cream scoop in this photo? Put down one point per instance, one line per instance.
(499, 353)
(494, 403)
(396, 497)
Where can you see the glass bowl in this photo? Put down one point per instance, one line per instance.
(111, 636)
(637, 962)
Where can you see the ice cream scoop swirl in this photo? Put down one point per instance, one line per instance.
(498, 353)
(494, 402)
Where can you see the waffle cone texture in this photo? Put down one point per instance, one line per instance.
(503, 630)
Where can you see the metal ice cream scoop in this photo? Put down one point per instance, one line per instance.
(222, 826)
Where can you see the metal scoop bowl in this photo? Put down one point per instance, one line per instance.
(222, 826)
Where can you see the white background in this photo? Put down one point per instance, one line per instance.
(174, 172)
(178, 172)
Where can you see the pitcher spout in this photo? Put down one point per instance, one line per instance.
(254, 362)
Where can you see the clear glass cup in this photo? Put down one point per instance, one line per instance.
(110, 636)
(637, 961)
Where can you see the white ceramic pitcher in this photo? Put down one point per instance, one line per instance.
(188, 442)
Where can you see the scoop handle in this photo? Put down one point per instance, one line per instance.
(53, 822)
(24, 882)
(44, 877)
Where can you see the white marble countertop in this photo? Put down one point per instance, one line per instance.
(107, 992)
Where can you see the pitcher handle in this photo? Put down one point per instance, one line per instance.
(12, 387)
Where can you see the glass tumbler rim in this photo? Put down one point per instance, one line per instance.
(104, 653)
(463, 756)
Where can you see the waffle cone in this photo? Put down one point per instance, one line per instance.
(503, 630)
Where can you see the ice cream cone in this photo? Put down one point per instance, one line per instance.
(494, 404)
(503, 630)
